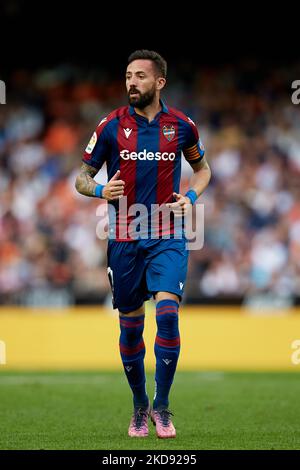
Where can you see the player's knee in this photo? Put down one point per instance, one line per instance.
(167, 324)
(166, 296)
(131, 330)
(132, 335)
(134, 313)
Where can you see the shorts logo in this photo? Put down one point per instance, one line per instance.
(144, 155)
(169, 132)
(181, 285)
(111, 280)
(128, 368)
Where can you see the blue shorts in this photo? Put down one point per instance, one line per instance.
(138, 269)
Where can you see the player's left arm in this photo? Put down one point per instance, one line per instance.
(198, 183)
(201, 176)
(194, 153)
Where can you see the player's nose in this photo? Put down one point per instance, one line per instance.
(131, 82)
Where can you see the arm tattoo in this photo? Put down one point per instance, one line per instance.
(85, 183)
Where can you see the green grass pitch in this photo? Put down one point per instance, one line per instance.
(91, 410)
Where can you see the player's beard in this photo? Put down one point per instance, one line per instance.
(142, 100)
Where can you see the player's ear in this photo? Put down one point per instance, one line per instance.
(160, 83)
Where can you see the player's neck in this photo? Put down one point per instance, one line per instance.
(149, 112)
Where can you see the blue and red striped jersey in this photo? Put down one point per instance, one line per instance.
(148, 154)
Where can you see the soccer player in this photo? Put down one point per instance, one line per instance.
(142, 145)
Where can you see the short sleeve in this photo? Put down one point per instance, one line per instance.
(193, 149)
(98, 148)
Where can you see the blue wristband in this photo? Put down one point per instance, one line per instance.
(192, 195)
(99, 190)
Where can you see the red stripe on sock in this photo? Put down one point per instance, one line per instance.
(128, 351)
(128, 324)
(166, 310)
(166, 306)
(167, 343)
(164, 313)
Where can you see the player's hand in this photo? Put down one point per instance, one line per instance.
(181, 206)
(114, 189)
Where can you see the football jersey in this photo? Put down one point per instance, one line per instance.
(148, 155)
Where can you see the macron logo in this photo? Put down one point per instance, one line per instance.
(144, 155)
(167, 361)
(127, 132)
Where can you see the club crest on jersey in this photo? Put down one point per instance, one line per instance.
(169, 132)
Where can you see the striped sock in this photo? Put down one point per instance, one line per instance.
(132, 350)
(167, 347)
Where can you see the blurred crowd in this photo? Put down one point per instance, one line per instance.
(49, 251)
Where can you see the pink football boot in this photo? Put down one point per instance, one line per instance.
(138, 426)
(164, 426)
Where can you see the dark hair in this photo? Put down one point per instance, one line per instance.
(157, 59)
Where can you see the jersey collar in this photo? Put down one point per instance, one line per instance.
(164, 108)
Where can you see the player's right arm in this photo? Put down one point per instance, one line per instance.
(96, 153)
(86, 185)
